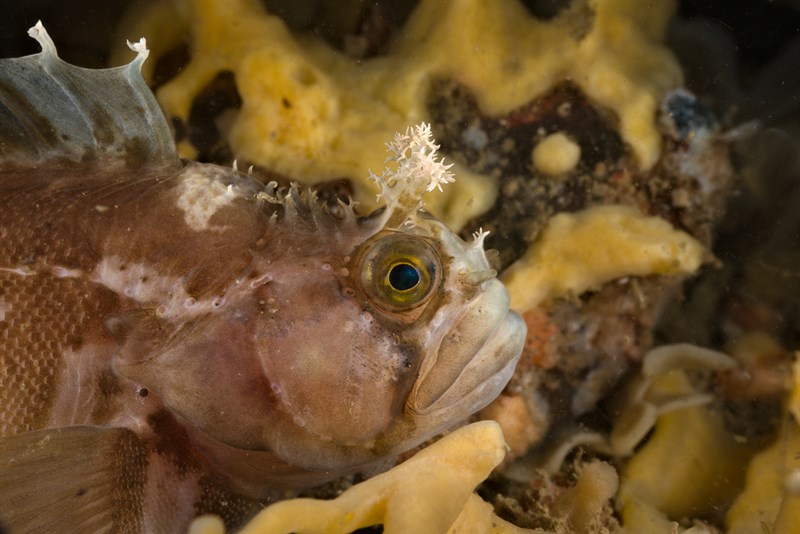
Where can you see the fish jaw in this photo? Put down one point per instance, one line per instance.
(479, 338)
(474, 361)
(468, 367)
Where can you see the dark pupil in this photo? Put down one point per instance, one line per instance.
(403, 276)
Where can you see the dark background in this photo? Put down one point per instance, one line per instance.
(84, 29)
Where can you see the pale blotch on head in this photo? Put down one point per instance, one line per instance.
(556, 154)
(202, 193)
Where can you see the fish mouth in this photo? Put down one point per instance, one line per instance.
(475, 359)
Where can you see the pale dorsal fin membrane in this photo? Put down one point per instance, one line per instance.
(56, 113)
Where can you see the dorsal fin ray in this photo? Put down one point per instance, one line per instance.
(56, 113)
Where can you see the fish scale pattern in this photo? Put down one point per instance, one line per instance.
(42, 317)
(43, 309)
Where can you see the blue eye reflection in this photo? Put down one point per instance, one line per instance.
(403, 277)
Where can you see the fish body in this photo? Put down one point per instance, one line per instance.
(178, 338)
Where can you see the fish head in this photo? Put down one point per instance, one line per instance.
(343, 344)
(411, 335)
(348, 340)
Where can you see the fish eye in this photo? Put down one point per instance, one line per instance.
(399, 272)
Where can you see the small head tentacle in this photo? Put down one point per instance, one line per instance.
(303, 208)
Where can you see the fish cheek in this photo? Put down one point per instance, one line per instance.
(339, 372)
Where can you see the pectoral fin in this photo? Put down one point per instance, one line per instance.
(74, 479)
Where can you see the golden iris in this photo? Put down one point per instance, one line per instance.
(399, 272)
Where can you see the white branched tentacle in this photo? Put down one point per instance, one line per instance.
(412, 169)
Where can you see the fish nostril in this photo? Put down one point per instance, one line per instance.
(143, 392)
(476, 278)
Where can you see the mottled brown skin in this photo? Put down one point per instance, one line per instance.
(49, 223)
(209, 398)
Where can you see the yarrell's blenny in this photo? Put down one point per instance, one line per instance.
(178, 338)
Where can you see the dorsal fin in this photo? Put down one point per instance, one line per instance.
(56, 113)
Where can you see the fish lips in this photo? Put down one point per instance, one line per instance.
(475, 359)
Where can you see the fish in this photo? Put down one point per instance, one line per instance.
(180, 338)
